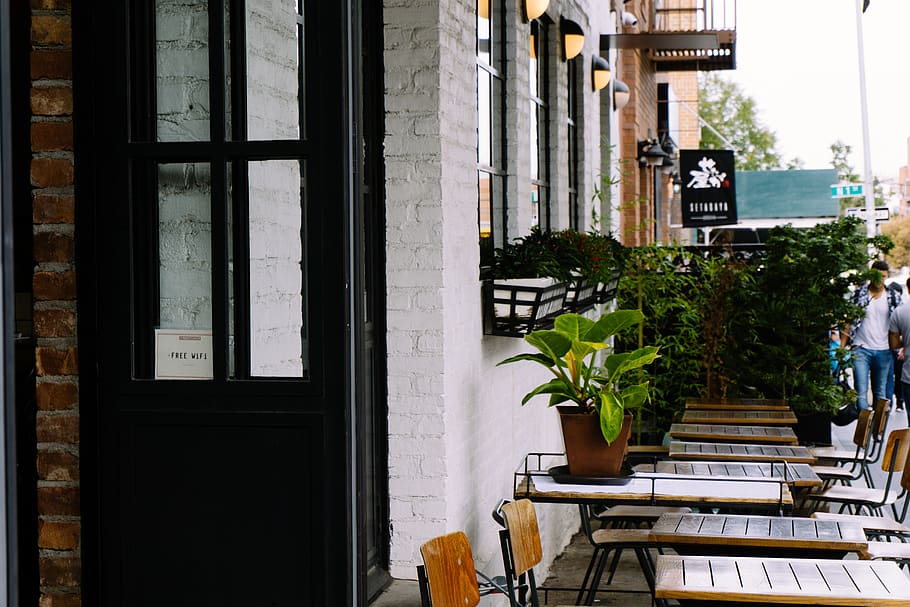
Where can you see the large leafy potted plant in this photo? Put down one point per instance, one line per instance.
(601, 395)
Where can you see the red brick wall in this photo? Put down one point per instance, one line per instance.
(54, 313)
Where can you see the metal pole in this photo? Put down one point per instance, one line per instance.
(867, 156)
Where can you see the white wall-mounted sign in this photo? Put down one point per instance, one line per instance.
(183, 354)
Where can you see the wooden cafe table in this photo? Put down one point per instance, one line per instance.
(732, 534)
(738, 416)
(740, 452)
(734, 433)
(743, 404)
(721, 580)
(795, 475)
(534, 482)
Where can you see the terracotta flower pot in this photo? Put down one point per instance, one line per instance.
(587, 451)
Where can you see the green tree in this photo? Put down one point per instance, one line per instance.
(840, 162)
(727, 109)
(898, 229)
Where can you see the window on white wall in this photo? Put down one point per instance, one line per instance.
(540, 121)
(575, 209)
(491, 195)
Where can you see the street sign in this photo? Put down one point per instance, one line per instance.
(881, 213)
(846, 190)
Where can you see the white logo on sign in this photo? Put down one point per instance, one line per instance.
(708, 176)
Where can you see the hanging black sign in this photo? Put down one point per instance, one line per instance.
(708, 192)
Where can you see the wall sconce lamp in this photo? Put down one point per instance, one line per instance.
(600, 70)
(651, 154)
(535, 8)
(628, 19)
(573, 38)
(620, 94)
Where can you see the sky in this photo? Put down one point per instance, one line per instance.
(798, 59)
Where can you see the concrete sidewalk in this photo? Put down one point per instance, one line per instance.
(629, 588)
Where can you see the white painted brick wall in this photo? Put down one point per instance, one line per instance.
(457, 430)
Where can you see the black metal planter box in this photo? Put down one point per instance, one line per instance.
(514, 308)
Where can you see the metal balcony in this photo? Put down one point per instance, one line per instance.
(685, 35)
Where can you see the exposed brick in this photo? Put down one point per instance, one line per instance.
(53, 286)
(56, 396)
(50, 5)
(58, 466)
(52, 136)
(59, 571)
(53, 246)
(57, 428)
(51, 361)
(58, 501)
(51, 64)
(51, 30)
(57, 535)
(52, 172)
(60, 600)
(54, 208)
(51, 101)
(54, 323)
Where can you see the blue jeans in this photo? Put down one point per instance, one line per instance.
(875, 363)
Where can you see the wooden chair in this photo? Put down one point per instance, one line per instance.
(871, 451)
(607, 540)
(846, 474)
(447, 577)
(871, 499)
(521, 550)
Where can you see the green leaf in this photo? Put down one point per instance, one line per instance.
(554, 386)
(613, 323)
(634, 397)
(611, 414)
(618, 364)
(573, 326)
(543, 359)
(551, 343)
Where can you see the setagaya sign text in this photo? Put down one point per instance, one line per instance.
(708, 191)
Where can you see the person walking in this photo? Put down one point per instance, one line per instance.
(868, 337)
(897, 356)
(899, 339)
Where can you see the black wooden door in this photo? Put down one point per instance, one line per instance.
(218, 335)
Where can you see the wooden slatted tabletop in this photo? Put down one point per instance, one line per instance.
(782, 581)
(734, 432)
(738, 416)
(740, 452)
(722, 533)
(660, 489)
(796, 475)
(747, 404)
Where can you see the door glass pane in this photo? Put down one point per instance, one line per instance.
(277, 263)
(274, 62)
(183, 341)
(182, 70)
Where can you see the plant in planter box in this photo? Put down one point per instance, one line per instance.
(602, 394)
(595, 259)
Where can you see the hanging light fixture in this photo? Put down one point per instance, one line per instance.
(600, 70)
(620, 94)
(650, 153)
(573, 38)
(535, 8)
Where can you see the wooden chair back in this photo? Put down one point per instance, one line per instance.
(863, 429)
(524, 535)
(880, 417)
(449, 567)
(896, 450)
(879, 424)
